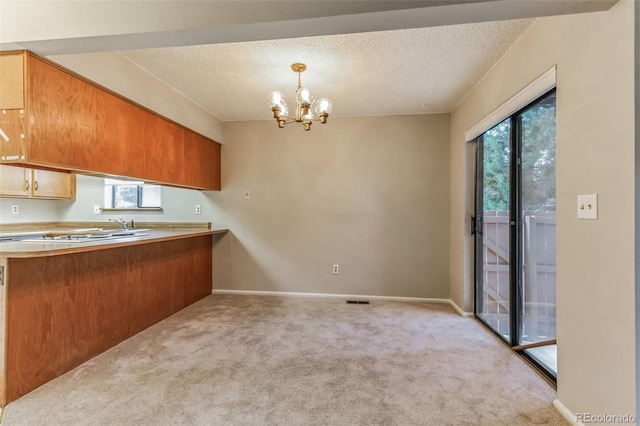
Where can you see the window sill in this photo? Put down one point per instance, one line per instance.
(132, 209)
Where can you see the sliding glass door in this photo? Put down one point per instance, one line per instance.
(493, 242)
(537, 281)
(515, 228)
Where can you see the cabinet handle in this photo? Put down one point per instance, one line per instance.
(35, 185)
(26, 188)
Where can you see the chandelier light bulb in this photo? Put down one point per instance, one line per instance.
(305, 96)
(276, 99)
(323, 106)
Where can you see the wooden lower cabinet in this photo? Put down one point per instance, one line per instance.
(62, 310)
(21, 182)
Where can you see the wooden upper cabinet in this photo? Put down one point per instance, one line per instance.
(21, 182)
(14, 182)
(72, 124)
(53, 185)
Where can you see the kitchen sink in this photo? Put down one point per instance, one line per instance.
(92, 236)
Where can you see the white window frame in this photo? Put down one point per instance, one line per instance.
(524, 97)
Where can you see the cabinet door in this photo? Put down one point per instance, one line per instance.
(14, 181)
(12, 81)
(12, 106)
(47, 184)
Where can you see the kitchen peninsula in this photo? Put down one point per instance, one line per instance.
(66, 302)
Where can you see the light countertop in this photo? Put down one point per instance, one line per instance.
(154, 233)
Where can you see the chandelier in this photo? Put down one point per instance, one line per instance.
(304, 105)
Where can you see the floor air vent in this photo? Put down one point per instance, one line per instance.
(358, 302)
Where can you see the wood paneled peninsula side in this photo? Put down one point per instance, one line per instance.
(53, 118)
(64, 303)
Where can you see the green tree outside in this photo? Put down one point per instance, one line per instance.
(538, 169)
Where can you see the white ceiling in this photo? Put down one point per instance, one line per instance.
(374, 57)
(412, 71)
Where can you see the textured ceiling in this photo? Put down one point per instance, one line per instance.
(410, 71)
(373, 57)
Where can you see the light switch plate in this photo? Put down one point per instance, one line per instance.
(588, 206)
(247, 194)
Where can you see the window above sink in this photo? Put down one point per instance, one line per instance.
(131, 195)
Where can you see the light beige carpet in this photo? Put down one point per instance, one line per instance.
(249, 360)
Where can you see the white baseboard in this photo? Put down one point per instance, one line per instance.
(344, 296)
(331, 296)
(566, 413)
(460, 311)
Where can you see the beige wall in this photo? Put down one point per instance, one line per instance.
(370, 194)
(595, 154)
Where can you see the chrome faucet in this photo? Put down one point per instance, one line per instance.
(120, 220)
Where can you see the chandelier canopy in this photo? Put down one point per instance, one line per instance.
(305, 105)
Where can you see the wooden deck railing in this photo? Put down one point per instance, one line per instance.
(538, 272)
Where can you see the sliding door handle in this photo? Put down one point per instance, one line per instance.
(476, 224)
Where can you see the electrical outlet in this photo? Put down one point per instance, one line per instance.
(336, 269)
(198, 209)
(247, 194)
(96, 209)
(15, 209)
